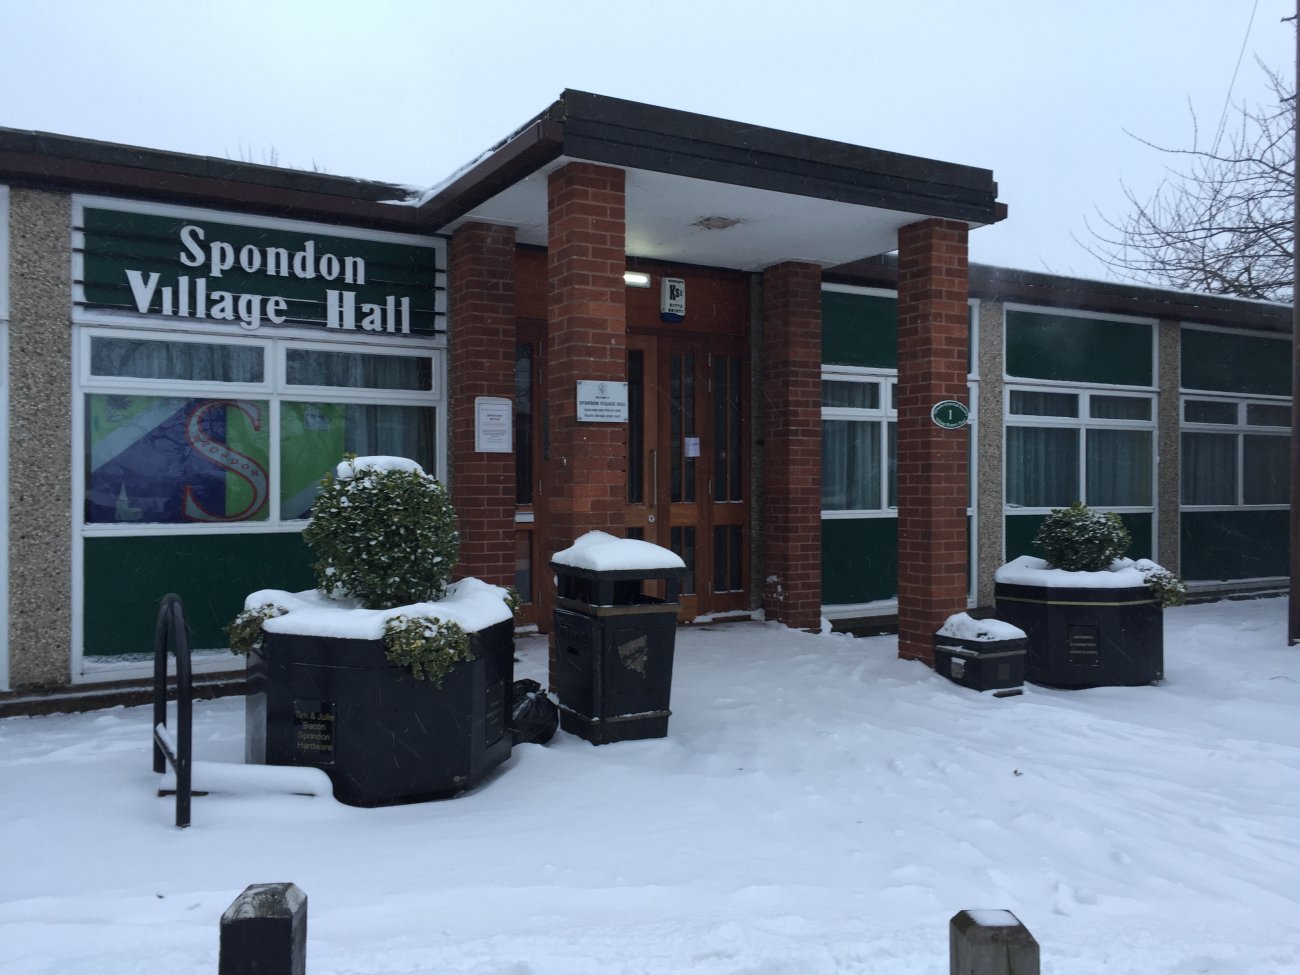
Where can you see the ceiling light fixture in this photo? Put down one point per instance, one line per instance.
(636, 279)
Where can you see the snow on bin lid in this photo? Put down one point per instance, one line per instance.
(961, 627)
(1029, 571)
(602, 552)
(348, 469)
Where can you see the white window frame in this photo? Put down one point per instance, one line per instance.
(1082, 422)
(885, 414)
(1240, 429)
(274, 390)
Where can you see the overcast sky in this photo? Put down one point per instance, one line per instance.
(1039, 91)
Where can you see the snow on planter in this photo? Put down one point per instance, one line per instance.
(472, 603)
(601, 552)
(1029, 571)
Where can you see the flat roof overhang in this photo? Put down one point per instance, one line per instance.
(709, 191)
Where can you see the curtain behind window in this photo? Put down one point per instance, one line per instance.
(1042, 467)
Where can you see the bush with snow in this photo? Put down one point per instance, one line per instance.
(385, 533)
(1079, 539)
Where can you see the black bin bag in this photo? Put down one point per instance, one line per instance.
(533, 716)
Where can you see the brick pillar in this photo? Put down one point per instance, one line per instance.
(586, 472)
(792, 434)
(932, 462)
(482, 363)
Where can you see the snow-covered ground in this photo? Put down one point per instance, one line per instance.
(819, 807)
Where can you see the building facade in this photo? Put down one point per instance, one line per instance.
(622, 318)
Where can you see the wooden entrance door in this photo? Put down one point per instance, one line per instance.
(687, 466)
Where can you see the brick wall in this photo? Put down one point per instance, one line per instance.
(792, 341)
(482, 363)
(586, 474)
(932, 462)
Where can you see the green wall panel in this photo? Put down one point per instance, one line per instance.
(1086, 350)
(1235, 363)
(1020, 531)
(126, 577)
(1220, 545)
(859, 560)
(859, 330)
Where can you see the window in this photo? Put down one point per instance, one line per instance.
(185, 430)
(1066, 446)
(1235, 453)
(858, 443)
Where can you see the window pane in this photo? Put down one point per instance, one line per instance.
(355, 370)
(1268, 415)
(524, 566)
(315, 436)
(1042, 467)
(1119, 407)
(1119, 467)
(850, 395)
(188, 361)
(850, 465)
(1209, 468)
(175, 460)
(892, 463)
(1209, 411)
(523, 423)
(1266, 471)
(1026, 403)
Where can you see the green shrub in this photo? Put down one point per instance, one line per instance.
(387, 537)
(245, 630)
(1164, 585)
(1078, 538)
(426, 644)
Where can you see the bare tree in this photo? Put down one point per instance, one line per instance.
(1221, 220)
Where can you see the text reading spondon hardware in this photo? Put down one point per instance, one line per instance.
(192, 297)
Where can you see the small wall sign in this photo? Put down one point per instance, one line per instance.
(493, 425)
(601, 402)
(672, 299)
(949, 414)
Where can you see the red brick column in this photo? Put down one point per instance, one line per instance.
(792, 434)
(586, 473)
(482, 363)
(932, 462)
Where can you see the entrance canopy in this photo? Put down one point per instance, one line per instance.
(713, 192)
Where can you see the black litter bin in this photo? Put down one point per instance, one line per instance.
(614, 649)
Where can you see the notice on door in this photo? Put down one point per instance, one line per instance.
(601, 402)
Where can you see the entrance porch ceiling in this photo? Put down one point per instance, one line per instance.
(675, 218)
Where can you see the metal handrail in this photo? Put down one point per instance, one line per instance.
(170, 633)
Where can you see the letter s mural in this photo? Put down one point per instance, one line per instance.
(223, 455)
(174, 460)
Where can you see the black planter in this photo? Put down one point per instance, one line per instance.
(982, 665)
(382, 736)
(1087, 637)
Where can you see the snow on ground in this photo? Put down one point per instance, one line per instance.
(819, 807)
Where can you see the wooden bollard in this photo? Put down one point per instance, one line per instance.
(990, 943)
(264, 932)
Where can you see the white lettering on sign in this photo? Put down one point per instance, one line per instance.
(190, 297)
(220, 256)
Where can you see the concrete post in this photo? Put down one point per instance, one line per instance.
(990, 943)
(264, 932)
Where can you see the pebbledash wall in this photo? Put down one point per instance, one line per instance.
(177, 378)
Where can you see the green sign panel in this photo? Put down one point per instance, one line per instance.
(177, 266)
(950, 414)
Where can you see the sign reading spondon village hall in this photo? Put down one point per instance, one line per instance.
(181, 264)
